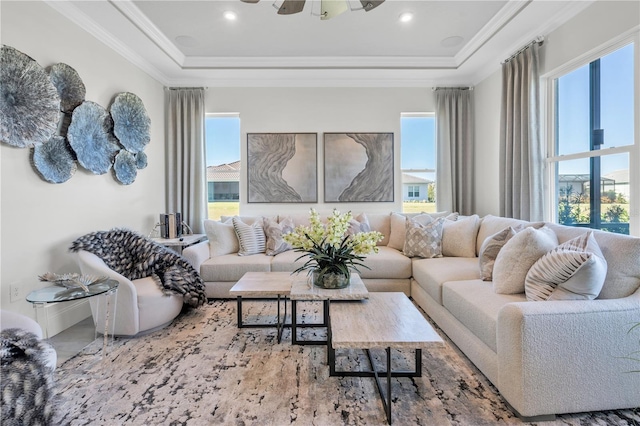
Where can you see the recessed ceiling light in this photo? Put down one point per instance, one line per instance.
(405, 16)
(452, 41)
(230, 15)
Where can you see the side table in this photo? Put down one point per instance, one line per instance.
(180, 243)
(105, 292)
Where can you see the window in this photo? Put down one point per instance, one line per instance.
(593, 142)
(418, 158)
(223, 164)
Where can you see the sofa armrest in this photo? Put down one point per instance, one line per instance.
(568, 356)
(197, 254)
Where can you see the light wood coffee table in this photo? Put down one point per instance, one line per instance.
(384, 321)
(302, 290)
(264, 284)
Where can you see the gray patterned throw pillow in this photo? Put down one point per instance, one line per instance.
(423, 240)
(274, 232)
(250, 237)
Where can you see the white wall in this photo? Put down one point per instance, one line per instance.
(319, 110)
(39, 219)
(593, 27)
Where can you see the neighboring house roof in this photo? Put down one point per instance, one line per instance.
(224, 172)
(620, 176)
(407, 178)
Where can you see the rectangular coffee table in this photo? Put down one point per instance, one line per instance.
(304, 290)
(384, 321)
(264, 284)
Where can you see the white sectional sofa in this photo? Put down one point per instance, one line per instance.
(545, 357)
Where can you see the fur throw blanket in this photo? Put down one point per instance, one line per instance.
(135, 256)
(27, 380)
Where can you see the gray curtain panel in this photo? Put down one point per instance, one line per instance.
(521, 153)
(185, 155)
(455, 150)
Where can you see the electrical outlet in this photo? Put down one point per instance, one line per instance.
(15, 293)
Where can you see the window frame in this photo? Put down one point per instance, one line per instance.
(548, 92)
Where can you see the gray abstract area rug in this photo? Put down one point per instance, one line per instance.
(203, 370)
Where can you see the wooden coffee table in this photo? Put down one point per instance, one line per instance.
(384, 321)
(264, 284)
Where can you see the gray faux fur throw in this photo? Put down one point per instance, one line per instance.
(135, 256)
(27, 382)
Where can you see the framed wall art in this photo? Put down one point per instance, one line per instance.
(358, 167)
(282, 167)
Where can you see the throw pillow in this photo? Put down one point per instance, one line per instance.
(359, 223)
(250, 237)
(273, 232)
(575, 270)
(459, 236)
(222, 237)
(398, 231)
(490, 249)
(518, 255)
(423, 240)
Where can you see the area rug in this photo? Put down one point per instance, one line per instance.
(203, 370)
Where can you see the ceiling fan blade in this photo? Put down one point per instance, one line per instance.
(250, 1)
(289, 7)
(332, 8)
(368, 5)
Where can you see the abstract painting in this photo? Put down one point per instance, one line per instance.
(358, 167)
(282, 167)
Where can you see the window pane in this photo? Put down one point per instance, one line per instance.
(615, 193)
(572, 109)
(418, 163)
(223, 165)
(572, 192)
(616, 70)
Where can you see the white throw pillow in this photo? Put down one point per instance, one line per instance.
(423, 240)
(222, 237)
(518, 255)
(398, 231)
(575, 270)
(459, 236)
(251, 238)
(273, 232)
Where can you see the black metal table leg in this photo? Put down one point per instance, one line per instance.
(239, 310)
(295, 325)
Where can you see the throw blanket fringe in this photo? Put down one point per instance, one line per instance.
(134, 256)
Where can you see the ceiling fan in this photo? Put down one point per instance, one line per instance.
(328, 8)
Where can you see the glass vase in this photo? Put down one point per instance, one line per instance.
(330, 280)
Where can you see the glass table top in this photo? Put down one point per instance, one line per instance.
(57, 293)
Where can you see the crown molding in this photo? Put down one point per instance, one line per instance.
(82, 20)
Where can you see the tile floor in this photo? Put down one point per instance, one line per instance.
(72, 340)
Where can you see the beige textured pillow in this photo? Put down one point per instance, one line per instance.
(575, 270)
(398, 231)
(459, 237)
(250, 237)
(518, 255)
(222, 237)
(273, 232)
(490, 249)
(423, 240)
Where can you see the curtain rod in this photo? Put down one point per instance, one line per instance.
(459, 88)
(539, 40)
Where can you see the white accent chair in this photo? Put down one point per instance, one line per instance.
(10, 319)
(141, 306)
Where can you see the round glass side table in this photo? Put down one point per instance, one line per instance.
(104, 292)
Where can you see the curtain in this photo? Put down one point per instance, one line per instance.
(185, 156)
(521, 154)
(454, 150)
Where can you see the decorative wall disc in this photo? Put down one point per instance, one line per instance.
(125, 167)
(90, 136)
(29, 102)
(141, 160)
(54, 161)
(130, 122)
(69, 85)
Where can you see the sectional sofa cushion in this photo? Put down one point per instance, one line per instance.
(222, 237)
(575, 270)
(476, 306)
(387, 263)
(288, 261)
(459, 236)
(231, 267)
(431, 273)
(423, 240)
(273, 232)
(251, 238)
(518, 255)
